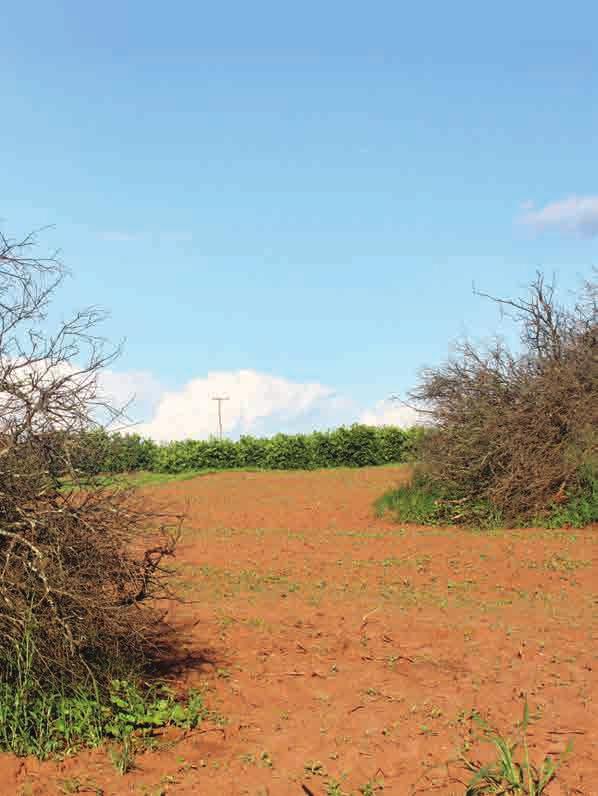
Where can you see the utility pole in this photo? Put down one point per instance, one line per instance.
(220, 398)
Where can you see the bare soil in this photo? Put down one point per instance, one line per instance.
(340, 647)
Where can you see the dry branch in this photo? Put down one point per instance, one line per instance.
(75, 592)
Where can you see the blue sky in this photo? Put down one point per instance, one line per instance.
(300, 192)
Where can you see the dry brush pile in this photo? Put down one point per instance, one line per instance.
(514, 434)
(77, 594)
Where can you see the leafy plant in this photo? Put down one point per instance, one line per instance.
(39, 720)
(509, 775)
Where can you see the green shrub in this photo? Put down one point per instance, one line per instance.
(253, 452)
(324, 450)
(358, 446)
(221, 455)
(288, 452)
(354, 446)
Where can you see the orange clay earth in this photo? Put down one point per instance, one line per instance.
(343, 648)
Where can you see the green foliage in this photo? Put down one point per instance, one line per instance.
(508, 774)
(289, 452)
(253, 452)
(427, 502)
(134, 711)
(41, 722)
(354, 446)
(114, 453)
(415, 502)
(580, 507)
(45, 717)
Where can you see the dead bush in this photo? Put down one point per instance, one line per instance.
(77, 589)
(514, 432)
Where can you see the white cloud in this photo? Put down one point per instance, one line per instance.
(134, 393)
(258, 403)
(574, 215)
(391, 413)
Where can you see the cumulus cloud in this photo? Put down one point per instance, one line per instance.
(391, 413)
(258, 403)
(574, 215)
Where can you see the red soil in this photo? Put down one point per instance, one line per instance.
(342, 647)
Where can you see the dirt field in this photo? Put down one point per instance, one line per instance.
(340, 647)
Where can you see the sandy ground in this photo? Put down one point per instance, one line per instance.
(339, 648)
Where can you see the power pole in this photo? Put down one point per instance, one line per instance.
(220, 399)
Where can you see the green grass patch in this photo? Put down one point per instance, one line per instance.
(581, 507)
(48, 723)
(50, 718)
(425, 502)
(411, 503)
(142, 478)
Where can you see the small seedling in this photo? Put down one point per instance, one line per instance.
(122, 756)
(370, 787)
(333, 788)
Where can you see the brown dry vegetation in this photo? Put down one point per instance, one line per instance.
(73, 595)
(514, 433)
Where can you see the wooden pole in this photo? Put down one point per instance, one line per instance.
(220, 398)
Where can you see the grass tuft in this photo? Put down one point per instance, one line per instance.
(425, 502)
(510, 773)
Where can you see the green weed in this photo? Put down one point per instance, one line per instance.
(370, 788)
(508, 774)
(581, 507)
(122, 756)
(35, 721)
(333, 788)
